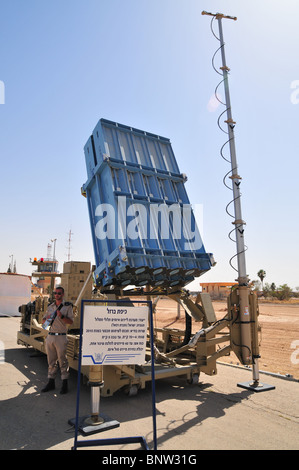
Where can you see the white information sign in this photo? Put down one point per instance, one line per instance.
(114, 335)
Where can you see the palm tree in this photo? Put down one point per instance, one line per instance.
(262, 274)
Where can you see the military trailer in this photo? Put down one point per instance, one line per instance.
(146, 245)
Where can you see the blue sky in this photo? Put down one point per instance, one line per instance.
(147, 63)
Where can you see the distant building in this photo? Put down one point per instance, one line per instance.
(217, 290)
(47, 271)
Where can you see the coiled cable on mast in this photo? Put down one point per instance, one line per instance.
(231, 171)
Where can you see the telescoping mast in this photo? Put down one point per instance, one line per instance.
(244, 310)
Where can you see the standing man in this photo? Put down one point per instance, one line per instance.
(56, 341)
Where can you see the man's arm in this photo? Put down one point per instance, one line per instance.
(64, 319)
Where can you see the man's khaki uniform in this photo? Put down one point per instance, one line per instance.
(56, 341)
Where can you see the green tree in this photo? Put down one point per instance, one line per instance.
(262, 274)
(284, 292)
(267, 291)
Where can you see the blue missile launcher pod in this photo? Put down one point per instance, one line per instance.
(142, 224)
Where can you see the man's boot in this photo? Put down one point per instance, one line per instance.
(50, 386)
(64, 388)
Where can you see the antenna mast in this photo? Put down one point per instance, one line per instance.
(69, 245)
(244, 307)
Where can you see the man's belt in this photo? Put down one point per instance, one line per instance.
(56, 334)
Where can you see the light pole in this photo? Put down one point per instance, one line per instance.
(11, 263)
(54, 241)
(54, 269)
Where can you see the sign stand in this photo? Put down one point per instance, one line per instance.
(105, 422)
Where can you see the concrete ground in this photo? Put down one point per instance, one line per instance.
(213, 414)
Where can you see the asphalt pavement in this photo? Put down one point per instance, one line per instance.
(214, 414)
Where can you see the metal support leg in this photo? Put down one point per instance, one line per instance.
(94, 419)
(255, 384)
(95, 422)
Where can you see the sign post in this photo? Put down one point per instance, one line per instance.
(113, 334)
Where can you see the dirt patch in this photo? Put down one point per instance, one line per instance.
(279, 347)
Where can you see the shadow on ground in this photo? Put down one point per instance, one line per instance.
(33, 420)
